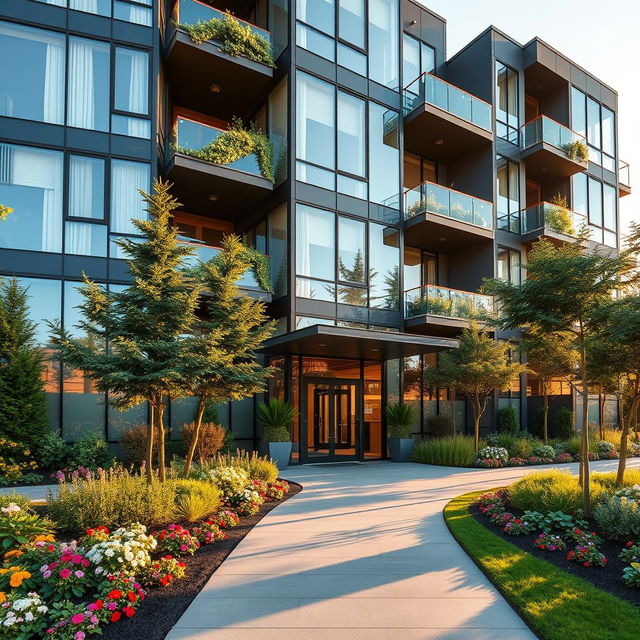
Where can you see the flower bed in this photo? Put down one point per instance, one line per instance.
(116, 583)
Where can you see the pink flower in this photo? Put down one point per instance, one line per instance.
(65, 557)
(84, 562)
(80, 635)
(183, 547)
(78, 574)
(77, 618)
(65, 573)
(111, 606)
(76, 559)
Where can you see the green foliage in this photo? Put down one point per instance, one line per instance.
(211, 412)
(454, 451)
(577, 608)
(234, 144)
(23, 410)
(17, 528)
(608, 480)
(508, 420)
(547, 491)
(196, 499)
(564, 425)
(16, 463)
(236, 39)
(631, 575)
(52, 451)
(558, 217)
(90, 450)
(5, 211)
(618, 518)
(576, 150)
(439, 426)
(275, 416)
(113, 498)
(400, 418)
(258, 467)
(16, 498)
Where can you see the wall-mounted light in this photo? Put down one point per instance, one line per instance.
(215, 88)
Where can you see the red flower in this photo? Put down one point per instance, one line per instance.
(132, 596)
(128, 611)
(586, 564)
(115, 594)
(115, 616)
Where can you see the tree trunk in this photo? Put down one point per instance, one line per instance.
(194, 439)
(622, 462)
(162, 471)
(477, 414)
(601, 402)
(452, 395)
(585, 432)
(150, 437)
(545, 422)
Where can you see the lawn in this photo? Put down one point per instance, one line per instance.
(555, 604)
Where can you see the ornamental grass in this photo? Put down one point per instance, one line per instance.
(452, 451)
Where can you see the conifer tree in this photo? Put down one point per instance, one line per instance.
(23, 410)
(224, 364)
(146, 326)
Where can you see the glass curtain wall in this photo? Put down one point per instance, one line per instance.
(508, 189)
(507, 119)
(599, 202)
(384, 43)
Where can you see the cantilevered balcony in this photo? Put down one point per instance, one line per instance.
(545, 219)
(442, 121)
(444, 220)
(550, 150)
(441, 311)
(202, 186)
(204, 76)
(205, 252)
(624, 181)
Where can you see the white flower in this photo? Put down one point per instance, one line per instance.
(12, 507)
(28, 616)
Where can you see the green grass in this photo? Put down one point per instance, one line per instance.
(555, 604)
(452, 451)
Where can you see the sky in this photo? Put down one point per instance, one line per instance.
(602, 37)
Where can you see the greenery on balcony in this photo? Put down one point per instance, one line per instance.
(576, 150)
(467, 308)
(235, 144)
(558, 217)
(5, 211)
(235, 38)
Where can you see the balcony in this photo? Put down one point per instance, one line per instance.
(442, 311)
(205, 252)
(445, 220)
(545, 219)
(442, 121)
(624, 181)
(224, 191)
(204, 76)
(547, 150)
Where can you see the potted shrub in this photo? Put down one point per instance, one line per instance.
(275, 417)
(399, 420)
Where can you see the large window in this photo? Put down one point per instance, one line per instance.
(351, 27)
(384, 158)
(278, 129)
(32, 73)
(31, 183)
(509, 265)
(136, 11)
(315, 243)
(598, 201)
(126, 203)
(417, 58)
(384, 267)
(597, 124)
(319, 14)
(384, 42)
(131, 93)
(508, 195)
(86, 187)
(352, 251)
(506, 103)
(351, 134)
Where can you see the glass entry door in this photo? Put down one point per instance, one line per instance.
(331, 420)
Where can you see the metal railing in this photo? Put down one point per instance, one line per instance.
(623, 173)
(193, 11)
(429, 197)
(449, 303)
(440, 93)
(544, 129)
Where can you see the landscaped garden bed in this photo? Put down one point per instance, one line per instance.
(565, 575)
(116, 554)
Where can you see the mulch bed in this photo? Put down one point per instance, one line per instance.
(607, 578)
(163, 606)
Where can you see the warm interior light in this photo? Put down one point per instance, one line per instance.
(439, 141)
(215, 88)
(213, 197)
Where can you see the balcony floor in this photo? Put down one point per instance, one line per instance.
(434, 232)
(194, 68)
(195, 180)
(546, 163)
(441, 326)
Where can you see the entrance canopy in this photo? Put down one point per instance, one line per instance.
(344, 342)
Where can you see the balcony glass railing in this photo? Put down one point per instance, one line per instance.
(623, 173)
(429, 197)
(193, 137)
(544, 129)
(449, 303)
(436, 91)
(546, 215)
(192, 12)
(204, 253)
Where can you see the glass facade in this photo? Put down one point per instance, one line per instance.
(599, 202)
(507, 116)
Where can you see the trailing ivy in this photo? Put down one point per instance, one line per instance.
(235, 144)
(236, 39)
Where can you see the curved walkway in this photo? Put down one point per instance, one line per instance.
(362, 553)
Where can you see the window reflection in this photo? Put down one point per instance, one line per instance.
(506, 103)
(384, 29)
(384, 270)
(315, 243)
(352, 256)
(384, 157)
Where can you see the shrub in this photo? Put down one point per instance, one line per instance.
(454, 451)
(114, 498)
(15, 498)
(400, 418)
(605, 448)
(508, 420)
(632, 493)
(258, 467)
(563, 458)
(553, 521)
(550, 491)
(210, 441)
(17, 527)
(90, 450)
(538, 424)
(439, 426)
(16, 463)
(275, 417)
(493, 453)
(564, 425)
(631, 553)
(613, 436)
(631, 575)
(587, 556)
(618, 518)
(51, 451)
(196, 499)
(134, 441)
(522, 447)
(516, 462)
(544, 451)
(231, 481)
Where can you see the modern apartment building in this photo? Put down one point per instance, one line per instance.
(401, 179)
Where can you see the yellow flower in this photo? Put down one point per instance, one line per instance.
(13, 553)
(3, 596)
(17, 578)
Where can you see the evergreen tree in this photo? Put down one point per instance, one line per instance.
(224, 364)
(478, 367)
(23, 410)
(358, 274)
(146, 326)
